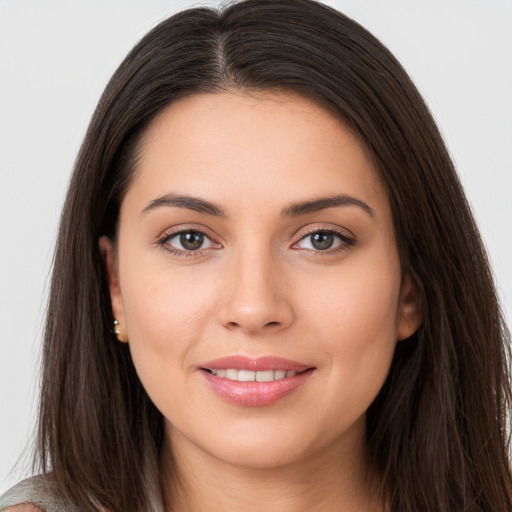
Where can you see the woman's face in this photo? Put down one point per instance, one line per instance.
(257, 279)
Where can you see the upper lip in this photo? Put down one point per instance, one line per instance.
(240, 362)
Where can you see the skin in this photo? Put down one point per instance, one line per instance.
(258, 287)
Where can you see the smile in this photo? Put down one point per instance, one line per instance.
(252, 376)
(248, 382)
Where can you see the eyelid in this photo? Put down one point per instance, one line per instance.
(170, 233)
(178, 235)
(314, 228)
(346, 236)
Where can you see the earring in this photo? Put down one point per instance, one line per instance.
(117, 332)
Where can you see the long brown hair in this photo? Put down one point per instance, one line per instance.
(437, 432)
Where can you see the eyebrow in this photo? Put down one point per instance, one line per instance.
(294, 210)
(189, 202)
(322, 203)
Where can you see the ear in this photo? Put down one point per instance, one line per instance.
(116, 299)
(410, 315)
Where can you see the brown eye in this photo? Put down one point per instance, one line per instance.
(188, 241)
(323, 240)
(191, 241)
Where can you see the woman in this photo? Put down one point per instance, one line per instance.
(269, 291)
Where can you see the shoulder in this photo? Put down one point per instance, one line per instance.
(23, 507)
(37, 494)
(30, 495)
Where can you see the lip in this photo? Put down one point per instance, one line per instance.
(239, 362)
(255, 394)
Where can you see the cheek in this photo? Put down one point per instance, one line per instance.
(359, 303)
(354, 320)
(170, 303)
(166, 314)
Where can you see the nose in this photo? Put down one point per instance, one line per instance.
(256, 298)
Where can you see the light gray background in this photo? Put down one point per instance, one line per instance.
(55, 59)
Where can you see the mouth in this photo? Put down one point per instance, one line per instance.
(248, 382)
(250, 375)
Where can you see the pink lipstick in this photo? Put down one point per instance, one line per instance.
(254, 382)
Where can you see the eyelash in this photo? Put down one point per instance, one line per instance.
(345, 242)
(182, 253)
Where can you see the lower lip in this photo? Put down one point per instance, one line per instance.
(255, 394)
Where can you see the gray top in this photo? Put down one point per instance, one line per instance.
(36, 490)
(40, 491)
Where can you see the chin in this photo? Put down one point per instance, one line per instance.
(260, 445)
(265, 455)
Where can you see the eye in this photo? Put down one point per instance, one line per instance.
(323, 240)
(188, 241)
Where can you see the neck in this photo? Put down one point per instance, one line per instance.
(333, 478)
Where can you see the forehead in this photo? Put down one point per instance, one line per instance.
(269, 148)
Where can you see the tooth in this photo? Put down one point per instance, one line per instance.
(251, 376)
(265, 376)
(232, 374)
(246, 376)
